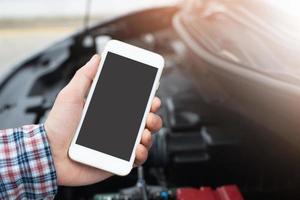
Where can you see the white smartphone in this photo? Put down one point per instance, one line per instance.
(116, 108)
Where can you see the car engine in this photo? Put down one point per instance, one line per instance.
(204, 150)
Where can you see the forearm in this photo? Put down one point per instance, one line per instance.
(26, 165)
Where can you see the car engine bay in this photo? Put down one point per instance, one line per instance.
(202, 145)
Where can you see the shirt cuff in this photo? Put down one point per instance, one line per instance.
(27, 168)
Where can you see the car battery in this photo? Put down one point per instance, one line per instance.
(228, 192)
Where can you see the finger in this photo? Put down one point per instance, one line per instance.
(141, 154)
(155, 104)
(83, 78)
(154, 122)
(147, 139)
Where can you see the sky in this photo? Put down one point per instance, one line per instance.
(70, 8)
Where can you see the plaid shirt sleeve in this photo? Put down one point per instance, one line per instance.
(26, 166)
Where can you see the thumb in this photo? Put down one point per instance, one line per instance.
(83, 77)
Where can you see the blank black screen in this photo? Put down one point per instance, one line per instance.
(117, 106)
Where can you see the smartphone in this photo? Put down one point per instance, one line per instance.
(116, 108)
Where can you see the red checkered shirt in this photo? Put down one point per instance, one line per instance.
(26, 166)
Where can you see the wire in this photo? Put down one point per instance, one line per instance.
(87, 15)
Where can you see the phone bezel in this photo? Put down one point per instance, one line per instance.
(99, 159)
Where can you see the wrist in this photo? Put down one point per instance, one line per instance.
(56, 156)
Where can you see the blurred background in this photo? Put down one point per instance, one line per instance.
(27, 26)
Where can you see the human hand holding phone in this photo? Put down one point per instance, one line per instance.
(63, 121)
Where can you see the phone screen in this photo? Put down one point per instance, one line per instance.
(117, 106)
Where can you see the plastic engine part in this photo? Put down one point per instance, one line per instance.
(229, 192)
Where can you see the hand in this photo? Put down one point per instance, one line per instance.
(64, 119)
